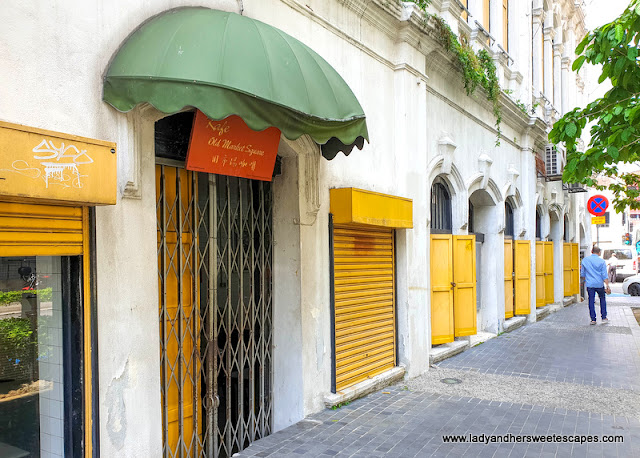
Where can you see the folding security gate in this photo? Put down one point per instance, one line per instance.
(215, 305)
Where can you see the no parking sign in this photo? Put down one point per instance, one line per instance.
(597, 205)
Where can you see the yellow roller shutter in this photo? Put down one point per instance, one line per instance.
(364, 285)
(540, 296)
(40, 230)
(522, 255)
(508, 279)
(566, 268)
(548, 272)
(441, 289)
(464, 290)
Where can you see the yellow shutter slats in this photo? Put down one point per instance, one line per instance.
(364, 302)
(40, 230)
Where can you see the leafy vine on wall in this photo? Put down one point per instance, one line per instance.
(477, 68)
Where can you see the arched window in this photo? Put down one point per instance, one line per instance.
(508, 220)
(538, 224)
(566, 228)
(440, 207)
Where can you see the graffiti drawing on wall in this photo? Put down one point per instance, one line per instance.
(58, 164)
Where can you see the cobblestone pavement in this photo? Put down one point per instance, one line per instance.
(559, 376)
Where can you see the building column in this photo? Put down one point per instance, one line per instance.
(557, 68)
(548, 63)
(566, 61)
(537, 77)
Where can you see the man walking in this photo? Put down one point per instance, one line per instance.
(594, 271)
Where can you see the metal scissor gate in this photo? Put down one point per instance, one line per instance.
(214, 274)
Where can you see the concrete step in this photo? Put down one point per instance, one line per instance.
(365, 387)
(542, 312)
(444, 351)
(514, 323)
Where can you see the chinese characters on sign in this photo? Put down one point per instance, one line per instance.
(229, 147)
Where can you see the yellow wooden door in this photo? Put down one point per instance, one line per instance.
(540, 283)
(364, 285)
(548, 272)
(464, 291)
(575, 268)
(508, 279)
(566, 269)
(179, 319)
(522, 255)
(441, 289)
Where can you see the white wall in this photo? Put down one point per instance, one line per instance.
(53, 60)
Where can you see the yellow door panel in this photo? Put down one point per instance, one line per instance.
(179, 319)
(364, 299)
(566, 268)
(508, 279)
(575, 268)
(464, 279)
(540, 283)
(548, 272)
(522, 269)
(441, 289)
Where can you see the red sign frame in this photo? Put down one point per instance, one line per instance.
(230, 147)
(592, 201)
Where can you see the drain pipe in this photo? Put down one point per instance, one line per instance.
(240, 4)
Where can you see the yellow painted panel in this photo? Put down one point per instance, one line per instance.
(40, 230)
(464, 14)
(464, 291)
(575, 268)
(486, 15)
(566, 268)
(548, 272)
(357, 206)
(41, 164)
(441, 289)
(505, 24)
(508, 279)
(522, 269)
(364, 294)
(180, 320)
(540, 284)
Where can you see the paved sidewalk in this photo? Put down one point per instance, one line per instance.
(559, 376)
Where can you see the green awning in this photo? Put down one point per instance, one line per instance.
(223, 64)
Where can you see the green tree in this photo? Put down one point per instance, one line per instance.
(615, 132)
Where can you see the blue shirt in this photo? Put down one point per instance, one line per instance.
(594, 270)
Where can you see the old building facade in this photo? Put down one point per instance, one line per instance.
(212, 310)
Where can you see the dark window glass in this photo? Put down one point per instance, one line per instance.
(538, 225)
(509, 225)
(566, 228)
(40, 356)
(440, 207)
(172, 135)
(471, 225)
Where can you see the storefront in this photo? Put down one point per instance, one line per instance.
(49, 184)
(363, 284)
(215, 204)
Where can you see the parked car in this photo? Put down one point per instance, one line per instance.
(631, 285)
(624, 264)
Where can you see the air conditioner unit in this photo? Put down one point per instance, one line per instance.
(574, 187)
(554, 163)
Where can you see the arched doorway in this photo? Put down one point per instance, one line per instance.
(453, 280)
(482, 216)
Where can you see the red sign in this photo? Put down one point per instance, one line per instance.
(597, 205)
(229, 147)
